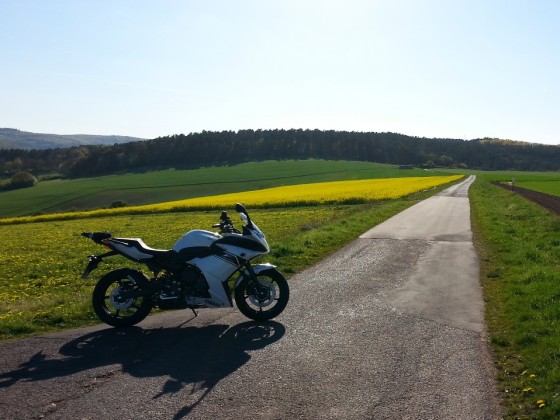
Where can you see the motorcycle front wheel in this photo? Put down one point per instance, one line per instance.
(263, 298)
(110, 305)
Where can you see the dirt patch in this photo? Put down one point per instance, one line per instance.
(549, 202)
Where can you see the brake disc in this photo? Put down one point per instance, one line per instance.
(266, 294)
(118, 303)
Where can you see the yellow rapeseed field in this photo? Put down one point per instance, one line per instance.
(337, 192)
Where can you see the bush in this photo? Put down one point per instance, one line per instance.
(21, 179)
(118, 203)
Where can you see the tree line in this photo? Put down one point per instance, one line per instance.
(231, 147)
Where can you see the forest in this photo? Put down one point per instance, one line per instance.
(209, 148)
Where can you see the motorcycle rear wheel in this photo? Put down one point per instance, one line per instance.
(263, 299)
(109, 305)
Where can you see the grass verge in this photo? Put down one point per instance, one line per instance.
(519, 247)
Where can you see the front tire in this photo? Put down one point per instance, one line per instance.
(111, 307)
(264, 298)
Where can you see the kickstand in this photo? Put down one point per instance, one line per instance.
(194, 312)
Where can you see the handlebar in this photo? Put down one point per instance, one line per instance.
(226, 225)
(225, 228)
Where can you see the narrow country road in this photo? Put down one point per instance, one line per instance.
(389, 327)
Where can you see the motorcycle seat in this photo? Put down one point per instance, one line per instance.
(139, 244)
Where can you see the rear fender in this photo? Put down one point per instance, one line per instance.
(145, 286)
(135, 276)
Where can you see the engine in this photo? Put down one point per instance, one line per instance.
(194, 282)
(177, 287)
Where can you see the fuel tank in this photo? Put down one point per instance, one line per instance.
(196, 239)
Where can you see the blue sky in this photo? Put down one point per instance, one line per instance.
(148, 68)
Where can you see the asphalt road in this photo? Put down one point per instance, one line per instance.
(389, 327)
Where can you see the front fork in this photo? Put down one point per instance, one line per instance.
(252, 271)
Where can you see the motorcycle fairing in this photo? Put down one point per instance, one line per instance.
(241, 242)
(217, 269)
(229, 257)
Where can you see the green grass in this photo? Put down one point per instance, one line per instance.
(519, 247)
(168, 185)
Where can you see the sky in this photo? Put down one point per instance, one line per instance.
(460, 69)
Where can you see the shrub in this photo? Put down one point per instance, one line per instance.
(21, 179)
(118, 203)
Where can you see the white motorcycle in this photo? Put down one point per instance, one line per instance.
(196, 273)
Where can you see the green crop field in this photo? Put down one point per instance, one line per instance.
(506, 176)
(551, 186)
(547, 182)
(168, 185)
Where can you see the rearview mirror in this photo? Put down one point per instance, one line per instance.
(239, 208)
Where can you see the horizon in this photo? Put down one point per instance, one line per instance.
(272, 129)
(422, 68)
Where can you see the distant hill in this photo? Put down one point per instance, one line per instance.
(11, 138)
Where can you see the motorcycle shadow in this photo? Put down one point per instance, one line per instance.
(198, 357)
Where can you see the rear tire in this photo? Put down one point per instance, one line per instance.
(109, 305)
(264, 299)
